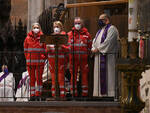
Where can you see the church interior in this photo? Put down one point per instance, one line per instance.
(132, 64)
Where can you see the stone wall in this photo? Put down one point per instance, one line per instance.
(144, 14)
(19, 10)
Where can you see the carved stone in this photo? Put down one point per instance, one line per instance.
(130, 100)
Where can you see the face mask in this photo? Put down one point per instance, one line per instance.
(5, 70)
(36, 30)
(77, 26)
(101, 23)
(56, 30)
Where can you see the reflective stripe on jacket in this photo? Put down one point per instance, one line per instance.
(79, 40)
(34, 50)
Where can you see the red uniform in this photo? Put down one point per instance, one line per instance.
(35, 58)
(62, 50)
(80, 43)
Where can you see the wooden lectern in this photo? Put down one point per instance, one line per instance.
(57, 40)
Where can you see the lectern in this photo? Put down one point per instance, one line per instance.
(57, 40)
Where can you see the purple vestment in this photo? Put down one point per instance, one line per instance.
(103, 62)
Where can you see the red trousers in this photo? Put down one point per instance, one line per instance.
(35, 72)
(80, 62)
(61, 78)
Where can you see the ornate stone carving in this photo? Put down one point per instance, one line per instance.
(132, 69)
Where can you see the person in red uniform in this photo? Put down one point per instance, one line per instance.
(35, 58)
(80, 44)
(58, 29)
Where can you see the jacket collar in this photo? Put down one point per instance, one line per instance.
(81, 31)
(30, 34)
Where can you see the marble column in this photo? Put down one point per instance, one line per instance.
(35, 8)
(132, 20)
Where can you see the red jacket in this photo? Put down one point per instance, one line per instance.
(34, 50)
(81, 40)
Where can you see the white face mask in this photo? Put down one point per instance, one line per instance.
(77, 26)
(57, 30)
(36, 30)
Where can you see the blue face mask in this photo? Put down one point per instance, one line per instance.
(101, 23)
(5, 70)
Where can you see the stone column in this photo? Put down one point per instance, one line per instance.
(35, 8)
(132, 20)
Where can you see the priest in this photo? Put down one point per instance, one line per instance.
(7, 85)
(104, 47)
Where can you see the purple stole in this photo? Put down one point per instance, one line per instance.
(103, 62)
(22, 81)
(3, 76)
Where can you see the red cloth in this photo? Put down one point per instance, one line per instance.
(81, 40)
(141, 48)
